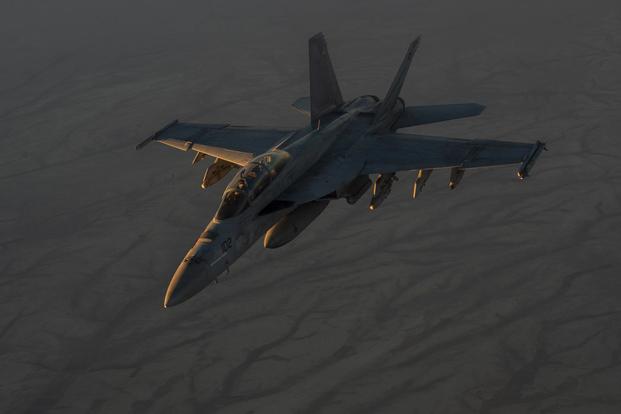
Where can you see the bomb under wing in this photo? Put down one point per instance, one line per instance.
(381, 189)
(421, 179)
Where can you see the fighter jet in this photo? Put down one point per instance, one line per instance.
(284, 178)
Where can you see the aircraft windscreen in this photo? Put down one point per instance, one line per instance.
(233, 203)
(250, 182)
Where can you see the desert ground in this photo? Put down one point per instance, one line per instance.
(498, 297)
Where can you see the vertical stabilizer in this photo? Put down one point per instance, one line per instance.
(325, 94)
(385, 107)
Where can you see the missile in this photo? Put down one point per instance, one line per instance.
(529, 161)
(381, 189)
(457, 173)
(421, 180)
(216, 172)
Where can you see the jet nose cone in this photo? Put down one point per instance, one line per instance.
(187, 281)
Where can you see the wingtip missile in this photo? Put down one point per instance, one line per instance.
(530, 160)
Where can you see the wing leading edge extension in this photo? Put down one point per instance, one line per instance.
(235, 144)
(402, 152)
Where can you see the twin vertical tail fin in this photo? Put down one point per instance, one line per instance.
(384, 110)
(325, 95)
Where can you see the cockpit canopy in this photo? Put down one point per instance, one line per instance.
(250, 182)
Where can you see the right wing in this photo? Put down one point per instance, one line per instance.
(401, 152)
(235, 144)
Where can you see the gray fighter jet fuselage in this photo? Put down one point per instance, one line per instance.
(244, 215)
(280, 190)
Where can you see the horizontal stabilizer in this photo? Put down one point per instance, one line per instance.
(303, 105)
(420, 115)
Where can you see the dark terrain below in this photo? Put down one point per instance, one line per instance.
(499, 297)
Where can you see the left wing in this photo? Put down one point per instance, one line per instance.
(398, 152)
(236, 144)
